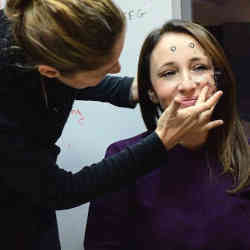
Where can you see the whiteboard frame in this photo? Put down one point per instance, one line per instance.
(182, 9)
(186, 10)
(177, 9)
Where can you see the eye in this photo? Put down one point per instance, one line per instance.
(168, 74)
(199, 68)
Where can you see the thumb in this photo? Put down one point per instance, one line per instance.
(173, 107)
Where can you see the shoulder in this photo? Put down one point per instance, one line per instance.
(120, 145)
(16, 79)
(110, 78)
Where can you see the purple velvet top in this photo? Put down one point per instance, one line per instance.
(181, 206)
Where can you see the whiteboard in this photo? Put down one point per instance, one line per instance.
(2, 3)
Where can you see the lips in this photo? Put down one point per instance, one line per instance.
(188, 102)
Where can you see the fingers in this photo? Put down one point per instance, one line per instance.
(173, 107)
(202, 105)
(210, 103)
(205, 123)
(213, 100)
(174, 123)
(205, 116)
(202, 96)
(213, 124)
(168, 116)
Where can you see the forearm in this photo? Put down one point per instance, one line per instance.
(35, 174)
(115, 90)
(122, 168)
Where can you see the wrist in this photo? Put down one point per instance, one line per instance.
(167, 142)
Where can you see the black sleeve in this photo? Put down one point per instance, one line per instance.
(34, 173)
(115, 90)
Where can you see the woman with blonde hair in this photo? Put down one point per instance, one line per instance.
(52, 53)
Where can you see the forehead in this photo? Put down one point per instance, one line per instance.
(177, 46)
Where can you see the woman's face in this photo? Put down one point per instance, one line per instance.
(179, 67)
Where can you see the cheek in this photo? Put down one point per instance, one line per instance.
(207, 80)
(166, 93)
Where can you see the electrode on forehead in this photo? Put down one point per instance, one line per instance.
(173, 48)
(191, 45)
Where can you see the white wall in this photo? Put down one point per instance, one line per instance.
(2, 3)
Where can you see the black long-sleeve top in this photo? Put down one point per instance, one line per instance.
(32, 185)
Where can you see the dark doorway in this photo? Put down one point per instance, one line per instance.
(229, 21)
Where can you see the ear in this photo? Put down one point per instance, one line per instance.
(48, 71)
(153, 97)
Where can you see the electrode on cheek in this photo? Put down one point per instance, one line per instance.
(204, 80)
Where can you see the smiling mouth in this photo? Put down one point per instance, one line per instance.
(188, 102)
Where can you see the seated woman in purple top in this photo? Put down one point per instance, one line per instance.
(199, 200)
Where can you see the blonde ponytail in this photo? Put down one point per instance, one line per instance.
(70, 35)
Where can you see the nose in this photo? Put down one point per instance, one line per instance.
(116, 68)
(187, 85)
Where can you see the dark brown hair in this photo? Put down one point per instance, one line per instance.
(228, 142)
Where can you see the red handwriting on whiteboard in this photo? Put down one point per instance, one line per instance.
(79, 116)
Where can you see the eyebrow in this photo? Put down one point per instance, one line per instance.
(194, 59)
